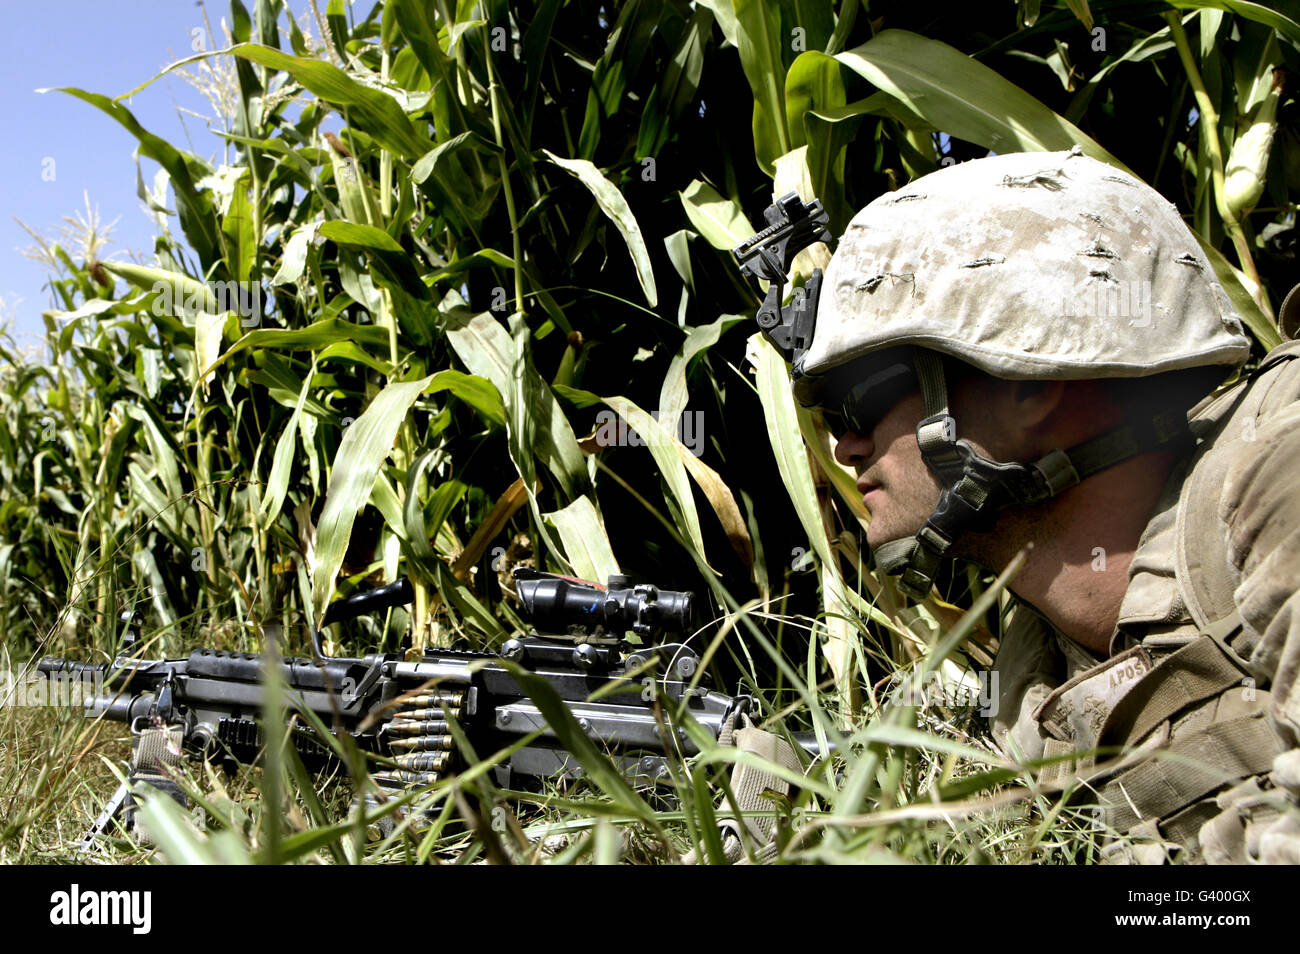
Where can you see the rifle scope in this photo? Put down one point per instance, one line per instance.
(561, 604)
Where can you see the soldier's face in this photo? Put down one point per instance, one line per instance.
(897, 487)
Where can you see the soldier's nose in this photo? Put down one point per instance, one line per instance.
(853, 449)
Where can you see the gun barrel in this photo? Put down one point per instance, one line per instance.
(119, 706)
(94, 687)
(54, 666)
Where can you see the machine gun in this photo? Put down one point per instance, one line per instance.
(209, 703)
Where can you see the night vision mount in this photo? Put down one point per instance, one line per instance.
(792, 225)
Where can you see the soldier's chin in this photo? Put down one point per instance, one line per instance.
(879, 532)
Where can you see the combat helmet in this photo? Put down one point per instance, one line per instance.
(1027, 266)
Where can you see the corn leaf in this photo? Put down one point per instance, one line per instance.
(614, 206)
(585, 540)
(759, 39)
(945, 89)
(376, 113)
(365, 446)
(721, 221)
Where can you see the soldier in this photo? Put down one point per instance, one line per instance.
(1007, 351)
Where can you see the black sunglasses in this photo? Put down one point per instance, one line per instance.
(867, 394)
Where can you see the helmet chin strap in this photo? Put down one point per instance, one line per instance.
(975, 490)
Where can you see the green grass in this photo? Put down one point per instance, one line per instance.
(875, 802)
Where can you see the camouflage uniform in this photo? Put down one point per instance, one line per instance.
(1228, 525)
(1005, 263)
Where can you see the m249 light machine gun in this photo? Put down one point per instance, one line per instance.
(209, 704)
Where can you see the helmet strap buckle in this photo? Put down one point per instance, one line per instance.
(936, 435)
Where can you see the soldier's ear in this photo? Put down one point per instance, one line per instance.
(1031, 403)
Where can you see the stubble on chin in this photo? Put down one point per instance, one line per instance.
(885, 528)
(890, 522)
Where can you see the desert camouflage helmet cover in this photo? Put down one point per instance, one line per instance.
(1028, 265)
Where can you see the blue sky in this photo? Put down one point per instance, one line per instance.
(58, 147)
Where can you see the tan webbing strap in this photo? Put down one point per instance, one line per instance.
(727, 736)
(155, 751)
(930, 377)
(1055, 772)
(748, 784)
(1224, 629)
(1197, 672)
(1206, 760)
(1185, 825)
